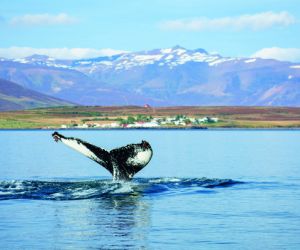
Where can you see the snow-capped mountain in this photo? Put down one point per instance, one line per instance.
(171, 57)
(172, 76)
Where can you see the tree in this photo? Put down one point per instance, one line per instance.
(130, 120)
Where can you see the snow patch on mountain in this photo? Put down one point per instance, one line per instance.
(252, 60)
(221, 60)
(170, 57)
(170, 76)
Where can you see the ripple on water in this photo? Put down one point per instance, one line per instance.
(71, 190)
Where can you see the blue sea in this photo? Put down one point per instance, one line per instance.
(203, 189)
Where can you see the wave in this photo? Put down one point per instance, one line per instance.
(75, 190)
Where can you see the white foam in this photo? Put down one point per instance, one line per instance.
(126, 187)
(165, 179)
(80, 192)
(6, 193)
(57, 195)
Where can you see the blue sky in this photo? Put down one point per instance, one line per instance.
(229, 27)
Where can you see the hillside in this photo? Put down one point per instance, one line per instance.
(228, 117)
(16, 97)
(160, 77)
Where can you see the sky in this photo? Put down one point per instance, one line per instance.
(90, 28)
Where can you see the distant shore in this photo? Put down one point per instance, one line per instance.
(156, 118)
(154, 129)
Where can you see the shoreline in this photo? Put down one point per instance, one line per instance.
(154, 129)
(158, 118)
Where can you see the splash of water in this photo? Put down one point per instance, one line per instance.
(60, 190)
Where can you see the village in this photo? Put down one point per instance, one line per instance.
(143, 121)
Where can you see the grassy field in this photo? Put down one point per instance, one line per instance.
(229, 117)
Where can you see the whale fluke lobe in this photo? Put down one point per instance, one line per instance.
(123, 163)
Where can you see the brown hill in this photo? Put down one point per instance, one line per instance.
(16, 97)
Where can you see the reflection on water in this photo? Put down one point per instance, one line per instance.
(130, 218)
(115, 222)
(95, 213)
(49, 199)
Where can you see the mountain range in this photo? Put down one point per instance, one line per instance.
(16, 97)
(160, 77)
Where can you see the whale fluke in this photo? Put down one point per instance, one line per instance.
(123, 163)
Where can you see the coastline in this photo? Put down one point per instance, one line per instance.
(156, 118)
(154, 129)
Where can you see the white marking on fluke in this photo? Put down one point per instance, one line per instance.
(141, 158)
(123, 163)
(78, 146)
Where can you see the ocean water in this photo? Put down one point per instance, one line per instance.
(203, 189)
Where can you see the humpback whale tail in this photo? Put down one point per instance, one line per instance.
(123, 163)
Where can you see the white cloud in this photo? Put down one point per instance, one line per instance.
(58, 53)
(282, 54)
(255, 22)
(42, 19)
